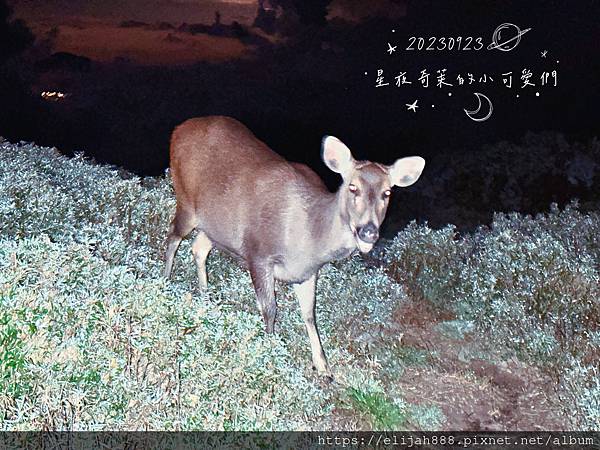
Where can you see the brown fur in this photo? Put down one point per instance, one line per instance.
(276, 217)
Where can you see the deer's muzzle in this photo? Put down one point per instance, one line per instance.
(369, 233)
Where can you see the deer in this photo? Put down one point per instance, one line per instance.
(276, 217)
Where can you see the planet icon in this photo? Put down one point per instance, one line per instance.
(506, 37)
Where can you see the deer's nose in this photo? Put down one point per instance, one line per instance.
(369, 233)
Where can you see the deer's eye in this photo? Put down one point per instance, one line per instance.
(387, 193)
(353, 188)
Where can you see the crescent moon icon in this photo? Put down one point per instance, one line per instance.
(471, 114)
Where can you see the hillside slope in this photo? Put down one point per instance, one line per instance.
(92, 337)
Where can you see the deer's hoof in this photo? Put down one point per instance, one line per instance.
(325, 375)
(327, 378)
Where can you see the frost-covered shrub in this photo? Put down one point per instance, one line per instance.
(532, 284)
(92, 337)
(523, 275)
(578, 232)
(75, 200)
(99, 347)
(427, 261)
(581, 391)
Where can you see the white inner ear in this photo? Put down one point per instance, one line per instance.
(406, 171)
(336, 155)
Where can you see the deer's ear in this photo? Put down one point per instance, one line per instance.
(336, 155)
(406, 171)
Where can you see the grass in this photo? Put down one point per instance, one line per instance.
(12, 359)
(380, 412)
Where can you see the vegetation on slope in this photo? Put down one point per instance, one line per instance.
(92, 337)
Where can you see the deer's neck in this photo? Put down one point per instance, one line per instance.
(333, 237)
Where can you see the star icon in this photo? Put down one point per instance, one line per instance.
(412, 106)
(544, 53)
(391, 48)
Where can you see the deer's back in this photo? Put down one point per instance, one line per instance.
(212, 153)
(247, 197)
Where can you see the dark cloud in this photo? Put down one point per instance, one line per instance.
(357, 10)
(142, 10)
(104, 41)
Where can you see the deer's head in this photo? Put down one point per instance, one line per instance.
(366, 189)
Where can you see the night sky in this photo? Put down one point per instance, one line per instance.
(91, 28)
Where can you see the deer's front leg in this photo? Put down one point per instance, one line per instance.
(306, 297)
(264, 286)
(201, 247)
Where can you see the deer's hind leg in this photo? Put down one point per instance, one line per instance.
(201, 247)
(264, 286)
(181, 225)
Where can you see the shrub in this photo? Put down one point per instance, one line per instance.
(92, 337)
(426, 261)
(531, 284)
